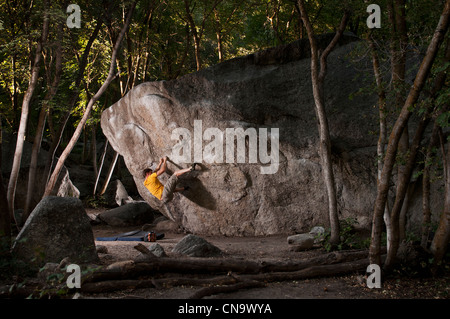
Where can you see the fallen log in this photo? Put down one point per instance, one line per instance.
(133, 269)
(115, 285)
(312, 272)
(261, 280)
(227, 283)
(158, 283)
(209, 291)
(162, 283)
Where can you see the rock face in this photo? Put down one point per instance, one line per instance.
(57, 228)
(267, 95)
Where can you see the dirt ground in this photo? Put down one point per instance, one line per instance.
(267, 248)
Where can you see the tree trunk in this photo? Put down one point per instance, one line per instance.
(92, 101)
(398, 45)
(381, 105)
(382, 137)
(403, 218)
(405, 173)
(198, 35)
(402, 188)
(441, 238)
(110, 172)
(5, 219)
(219, 46)
(426, 227)
(218, 34)
(15, 92)
(318, 72)
(24, 115)
(102, 161)
(41, 124)
(57, 136)
(400, 124)
(185, 53)
(94, 149)
(195, 35)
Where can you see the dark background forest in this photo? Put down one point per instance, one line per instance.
(55, 81)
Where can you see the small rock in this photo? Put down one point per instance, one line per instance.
(318, 232)
(301, 241)
(361, 280)
(157, 250)
(64, 263)
(77, 295)
(101, 249)
(47, 270)
(195, 246)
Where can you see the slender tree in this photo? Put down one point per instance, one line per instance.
(426, 187)
(318, 73)
(5, 221)
(111, 75)
(198, 31)
(397, 131)
(25, 110)
(442, 236)
(57, 134)
(382, 118)
(52, 89)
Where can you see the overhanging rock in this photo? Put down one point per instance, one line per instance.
(268, 94)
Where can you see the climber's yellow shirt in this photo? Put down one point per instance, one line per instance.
(154, 185)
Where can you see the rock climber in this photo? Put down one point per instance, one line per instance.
(164, 192)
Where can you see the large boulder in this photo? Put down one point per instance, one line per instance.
(268, 94)
(57, 228)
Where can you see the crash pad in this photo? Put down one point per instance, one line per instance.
(135, 235)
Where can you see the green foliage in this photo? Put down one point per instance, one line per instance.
(54, 282)
(10, 265)
(348, 237)
(95, 201)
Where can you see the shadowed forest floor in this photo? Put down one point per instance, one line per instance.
(275, 249)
